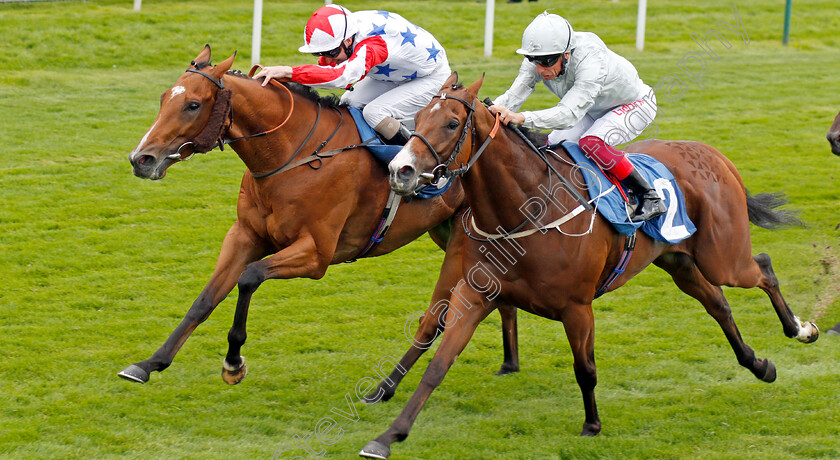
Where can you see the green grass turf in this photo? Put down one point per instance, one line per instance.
(97, 266)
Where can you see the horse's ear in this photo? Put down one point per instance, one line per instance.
(453, 79)
(204, 55)
(222, 67)
(473, 89)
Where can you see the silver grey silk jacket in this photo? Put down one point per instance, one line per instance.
(595, 81)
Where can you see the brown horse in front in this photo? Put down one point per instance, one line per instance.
(292, 224)
(555, 275)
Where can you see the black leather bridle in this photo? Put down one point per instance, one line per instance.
(442, 168)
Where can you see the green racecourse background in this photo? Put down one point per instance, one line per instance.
(97, 266)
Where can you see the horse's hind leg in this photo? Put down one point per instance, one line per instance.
(510, 340)
(804, 332)
(688, 278)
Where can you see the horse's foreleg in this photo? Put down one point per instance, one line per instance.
(450, 230)
(792, 326)
(579, 323)
(298, 260)
(461, 324)
(688, 278)
(432, 324)
(238, 249)
(441, 235)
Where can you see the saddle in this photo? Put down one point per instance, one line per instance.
(385, 152)
(671, 227)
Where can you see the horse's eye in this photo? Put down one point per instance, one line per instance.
(452, 124)
(192, 106)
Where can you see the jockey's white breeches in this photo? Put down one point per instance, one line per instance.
(617, 127)
(400, 100)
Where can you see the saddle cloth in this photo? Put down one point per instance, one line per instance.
(385, 153)
(671, 227)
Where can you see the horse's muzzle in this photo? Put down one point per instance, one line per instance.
(148, 167)
(403, 179)
(834, 139)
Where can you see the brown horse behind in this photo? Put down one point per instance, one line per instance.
(556, 274)
(292, 224)
(833, 135)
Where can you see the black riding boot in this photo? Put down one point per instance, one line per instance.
(402, 136)
(650, 204)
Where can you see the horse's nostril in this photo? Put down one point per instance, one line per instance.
(145, 159)
(406, 172)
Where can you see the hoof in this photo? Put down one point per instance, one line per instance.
(813, 336)
(769, 373)
(232, 375)
(507, 369)
(382, 393)
(134, 373)
(375, 449)
(590, 429)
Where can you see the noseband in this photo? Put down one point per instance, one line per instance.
(211, 135)
(442, 168)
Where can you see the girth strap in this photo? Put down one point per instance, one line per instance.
(385, 222)
(623, 261)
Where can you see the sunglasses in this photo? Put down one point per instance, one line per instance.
(331, 53)
(545, 61)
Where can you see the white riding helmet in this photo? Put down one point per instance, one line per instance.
(327, 28)
(547, 34)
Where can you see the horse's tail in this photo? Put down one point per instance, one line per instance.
(762, 211)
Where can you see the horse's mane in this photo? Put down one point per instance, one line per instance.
(329, 100)
(537, 138)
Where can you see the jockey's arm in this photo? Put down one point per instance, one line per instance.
(521, 88)
(366, 54)
(589, 81)
(277, 71)
(506, 115)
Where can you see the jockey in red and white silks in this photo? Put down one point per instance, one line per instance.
(393, 66)
(603, 101)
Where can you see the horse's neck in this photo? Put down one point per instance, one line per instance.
(509, 181)
(258, 110)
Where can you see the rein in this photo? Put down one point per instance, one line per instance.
(288, 116)
(222, 104)
(314, 156)
(442, 170)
